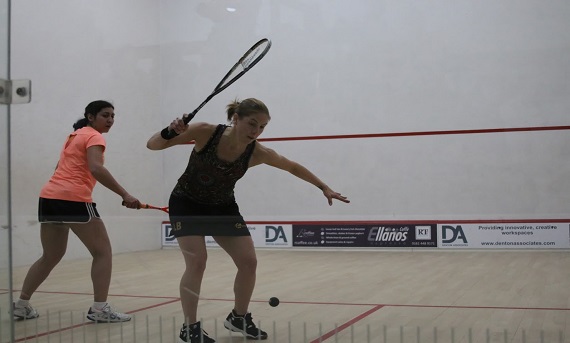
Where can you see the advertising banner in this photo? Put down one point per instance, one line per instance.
(401, 235)
(365, 236)
(505, 236)
(263, 235)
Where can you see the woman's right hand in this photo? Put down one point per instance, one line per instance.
(178, 125)
(131, 202)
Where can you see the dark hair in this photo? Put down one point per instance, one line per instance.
(93, 108)
(245, 108)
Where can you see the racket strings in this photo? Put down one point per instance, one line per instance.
(251, 57)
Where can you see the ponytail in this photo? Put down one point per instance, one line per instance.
(232, 108)
(80, 123)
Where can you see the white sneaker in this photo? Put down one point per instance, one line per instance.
(107, 315)
(27, 312)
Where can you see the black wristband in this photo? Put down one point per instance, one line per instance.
(167, 134)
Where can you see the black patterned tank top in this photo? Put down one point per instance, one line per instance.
(209, 180)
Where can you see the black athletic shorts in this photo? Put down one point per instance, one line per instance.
(189, 218)
(64, 211)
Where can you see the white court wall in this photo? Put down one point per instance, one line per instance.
(335, 68)
(75, 52)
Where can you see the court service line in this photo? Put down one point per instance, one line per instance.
(484, 307)
(111, 295)
(172, 299)
(71, 327)
(467, 307)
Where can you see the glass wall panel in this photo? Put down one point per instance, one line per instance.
(5, 260)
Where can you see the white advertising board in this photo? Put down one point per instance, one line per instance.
(504, 235)
(264, 235)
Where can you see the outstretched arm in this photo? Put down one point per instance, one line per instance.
(268, 156)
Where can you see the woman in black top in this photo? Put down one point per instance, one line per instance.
(203, 204)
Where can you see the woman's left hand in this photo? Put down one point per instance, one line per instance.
(330, 194)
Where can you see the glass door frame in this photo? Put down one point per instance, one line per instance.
(8, 331)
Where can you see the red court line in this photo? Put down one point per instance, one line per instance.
(375, 307)
(46, 333)
(428, 306)
(175, 299)
(408, 222)
(420, 133)
(417, 133)
(155, 305)
(338, 329)
(172, 300)
(113, 295)
(38, 335)
(484, 307)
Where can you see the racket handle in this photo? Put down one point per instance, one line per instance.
(189, 117)
(167, 134)
(138, 208)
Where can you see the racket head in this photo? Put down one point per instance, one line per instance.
(245, 63)
(255, 54)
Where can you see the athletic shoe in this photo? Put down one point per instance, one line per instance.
(107, 315)
(245, 325)
(27, 312)
(194, 334)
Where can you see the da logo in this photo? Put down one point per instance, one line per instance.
(273, 233)
(168, 235)
(456, 233)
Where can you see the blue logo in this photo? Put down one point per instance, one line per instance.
(272, 234)
(456, 233)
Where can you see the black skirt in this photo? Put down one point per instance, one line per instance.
(189, 218)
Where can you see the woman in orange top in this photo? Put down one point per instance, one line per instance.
(65, 203)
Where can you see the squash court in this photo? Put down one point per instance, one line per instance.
(340, 296)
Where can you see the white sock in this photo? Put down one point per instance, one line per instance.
(98, 305)
(20, 303)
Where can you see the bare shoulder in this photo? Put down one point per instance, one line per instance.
(262, 151)
(200, 131)
(202, 126)
(265, 155)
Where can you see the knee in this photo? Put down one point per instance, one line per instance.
(196, 263)
(248, 264)
(102, 252)
(52, 258)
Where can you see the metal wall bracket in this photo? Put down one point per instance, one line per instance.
(15, 91)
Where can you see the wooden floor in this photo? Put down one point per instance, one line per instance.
(326, 296)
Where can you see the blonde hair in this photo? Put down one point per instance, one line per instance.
(245, 108)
